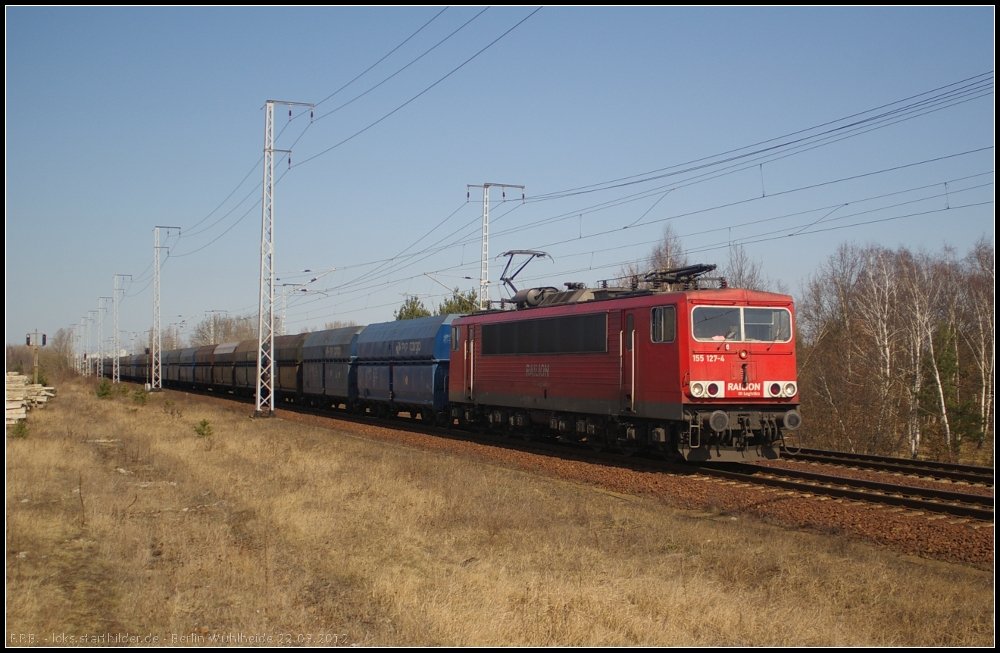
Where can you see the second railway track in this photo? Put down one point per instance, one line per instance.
(923, 468)
(915, 498)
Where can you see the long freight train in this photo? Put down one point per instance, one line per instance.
(700, 374)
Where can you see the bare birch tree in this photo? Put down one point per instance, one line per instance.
(668, 253)
(742, 271)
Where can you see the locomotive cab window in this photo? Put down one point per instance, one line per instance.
(735, 323)
(717, 323)
(663, 327)
(767, 324)
(455, 331)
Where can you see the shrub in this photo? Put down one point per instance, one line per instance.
(139, 396)
(204, 429)
(19, 430)
(104, 389)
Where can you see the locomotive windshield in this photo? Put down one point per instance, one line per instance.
(735, 323)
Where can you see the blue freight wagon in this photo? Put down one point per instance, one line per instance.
(329, 377)
(403, 365)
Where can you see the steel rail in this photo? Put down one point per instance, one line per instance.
(953, 503)
(809, 482)
(948, 471)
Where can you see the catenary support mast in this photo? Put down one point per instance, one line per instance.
(265, 310)
(484, 263)
(156, 344)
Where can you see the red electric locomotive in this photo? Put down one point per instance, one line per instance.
(707, 374)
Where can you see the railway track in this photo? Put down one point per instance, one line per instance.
(923, 468)
(809, 483)
(915, 498)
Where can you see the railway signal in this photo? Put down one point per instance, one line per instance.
(33, 343)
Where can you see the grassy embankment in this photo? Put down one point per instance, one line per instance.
(120, 518)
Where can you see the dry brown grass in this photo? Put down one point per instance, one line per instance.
(272, 528)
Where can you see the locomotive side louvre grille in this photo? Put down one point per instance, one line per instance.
(569, 334)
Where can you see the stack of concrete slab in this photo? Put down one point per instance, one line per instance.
(22, 396)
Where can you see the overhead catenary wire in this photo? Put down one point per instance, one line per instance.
(653, 192)
(782, 233)
(421, 56)
(825, 183)
(899, 114)
(726, 244)
(928, 104)
(978, 88)
(471, 225)
(418, 95)
(777, 235)
(982, 79)
(258, 162)
(373, 283)
(386, 56)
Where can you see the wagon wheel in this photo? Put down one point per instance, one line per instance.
(597, 444)
(628, 449)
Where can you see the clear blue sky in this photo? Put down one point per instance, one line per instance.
(118, 120)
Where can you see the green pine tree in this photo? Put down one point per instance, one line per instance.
(459, 302)
(411, 309)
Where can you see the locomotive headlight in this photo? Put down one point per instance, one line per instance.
(780, 389)
(744, 353)
(713, 389)
(697, 389)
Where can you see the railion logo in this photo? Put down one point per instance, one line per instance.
(746, 387)
(536, 370)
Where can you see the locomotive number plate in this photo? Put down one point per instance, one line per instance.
(709, 358)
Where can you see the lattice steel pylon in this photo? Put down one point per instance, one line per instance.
(77, 356)
(89, 349)
(484, 263)
(156, 344)
(115, 371)
(100, 334)
(265, 311)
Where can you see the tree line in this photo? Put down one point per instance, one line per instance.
(896, 351)
(459, 302)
